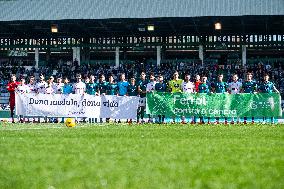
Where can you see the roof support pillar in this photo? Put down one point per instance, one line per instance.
(36, 57)
(244, 55)
(76, 55)
(116, 57)
(158, 56)
(201, 53)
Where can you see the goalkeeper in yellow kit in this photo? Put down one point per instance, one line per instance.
(175, 86)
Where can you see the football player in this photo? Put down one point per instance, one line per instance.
(267, 87)
(234, 88)
(142, 85)
(220, 87)
(187, 87)
(249, 86)
(160, 86)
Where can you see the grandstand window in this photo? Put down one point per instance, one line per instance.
(196, 39)
(210, 39)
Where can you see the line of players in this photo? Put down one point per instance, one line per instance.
(140, 88)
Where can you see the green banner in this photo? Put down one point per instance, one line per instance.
(214, 105)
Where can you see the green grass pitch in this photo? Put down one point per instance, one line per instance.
(141, 156)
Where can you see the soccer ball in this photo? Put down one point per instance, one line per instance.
(70, 122)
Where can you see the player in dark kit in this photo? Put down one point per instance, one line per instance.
(132, 90)
(249, 86)
(267, 87)
(11, 87)
(142, 85)
(220, 87)
(160, 86)
(203, 88)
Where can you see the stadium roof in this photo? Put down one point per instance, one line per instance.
(104, 9)
(115, 18)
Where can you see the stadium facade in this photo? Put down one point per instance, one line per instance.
(120, 30)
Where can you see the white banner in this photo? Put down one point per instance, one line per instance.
(73, 105)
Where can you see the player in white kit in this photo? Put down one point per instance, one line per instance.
(22, 89)
(59, 86)
(150, 87)
(79, 87)
(187, 87)
(234, 88)
(32, 85)
(33, 90)
(41, 85)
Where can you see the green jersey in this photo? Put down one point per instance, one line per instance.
(103, 87)
(132, 90)
(266, 87)
(143, 85)
(203, 88)
(111, 89)
(249, 86)
(220, 87)
(91, 88)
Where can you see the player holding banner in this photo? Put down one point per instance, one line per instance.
(249, 86)
(188, 87)
(175, 87)
(132, 90)
(235, 88)
(203, 88)
(150, 88)
(79, 88)
(142, 85)
(220, 87)
(22, 88)
(122, 87)
(33, 90)
(160, 86)
(267, 87)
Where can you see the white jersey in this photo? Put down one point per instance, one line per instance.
(79, 88)
(40, 87)
(32, 88)
(49, 90)
(187, 87)
(22, 89)
(235, 87)
(54, 86)
(151, 86)
(59, 88)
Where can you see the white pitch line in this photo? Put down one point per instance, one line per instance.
(37, 128)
